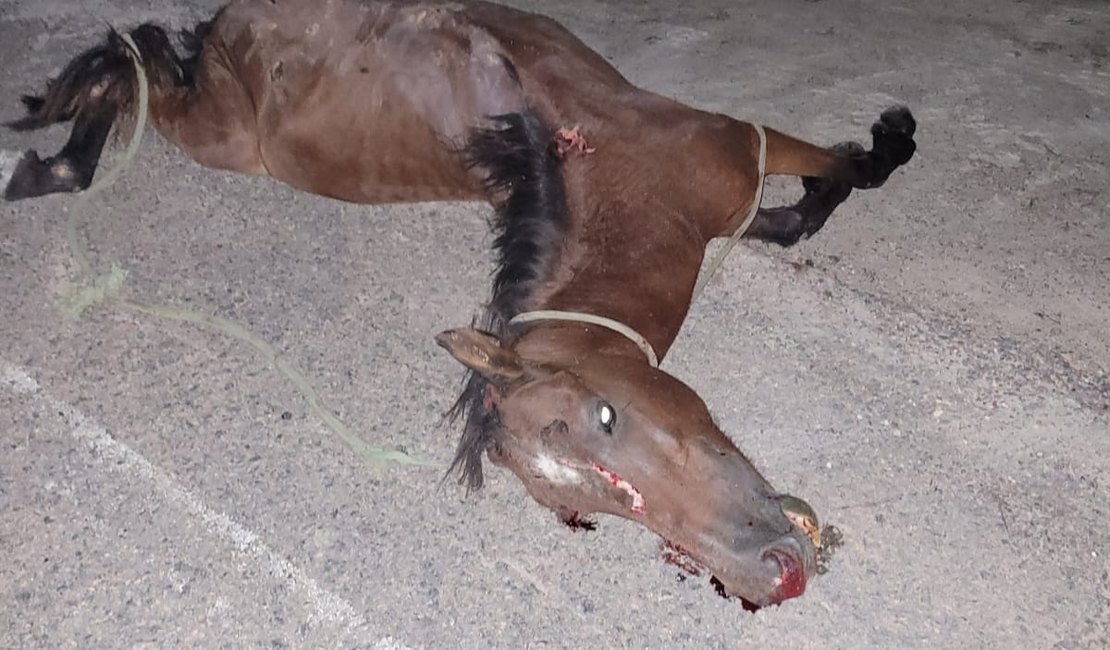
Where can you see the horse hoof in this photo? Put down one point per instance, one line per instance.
(893, 136)
(897, 119)
(30, 176)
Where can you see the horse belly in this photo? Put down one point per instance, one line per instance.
(357, 151)
(370, 102)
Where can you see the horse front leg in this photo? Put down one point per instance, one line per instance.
(892, 146)
(829, 175)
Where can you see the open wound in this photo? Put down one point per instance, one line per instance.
(568, 140)
(615, 480)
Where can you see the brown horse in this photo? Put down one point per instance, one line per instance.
(605, 196)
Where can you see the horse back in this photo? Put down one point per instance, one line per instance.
(371, 101)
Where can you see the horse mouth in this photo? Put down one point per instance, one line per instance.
(784, 572)
(791, 582)
(636, 498)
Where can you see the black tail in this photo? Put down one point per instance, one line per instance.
(523, 175)
(103, 71)
(192, 40)
(105, 74)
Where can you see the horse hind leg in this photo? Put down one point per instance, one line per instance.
(196, 103)
(73, 167)
(89, 91)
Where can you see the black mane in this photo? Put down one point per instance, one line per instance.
(522, 174)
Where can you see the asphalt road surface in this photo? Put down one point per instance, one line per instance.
(929, 372)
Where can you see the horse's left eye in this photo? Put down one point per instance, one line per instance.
(607, 416)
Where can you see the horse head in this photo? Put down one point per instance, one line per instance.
(611, 434)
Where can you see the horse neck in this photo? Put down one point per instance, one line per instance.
(632, 261)
(637, 232)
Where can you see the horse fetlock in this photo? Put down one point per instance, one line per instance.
(827, 190)
(62, 170)
(97, 90)
(849, 148)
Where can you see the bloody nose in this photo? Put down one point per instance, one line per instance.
(792, 581)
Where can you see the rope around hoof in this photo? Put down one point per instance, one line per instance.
(104, 289)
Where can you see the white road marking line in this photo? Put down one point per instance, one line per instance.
(118, 457)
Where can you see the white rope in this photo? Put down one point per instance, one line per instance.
(609, 323)
(628, 332)
(106, 287)
(109, 177)
(743, 228)
(140, 121)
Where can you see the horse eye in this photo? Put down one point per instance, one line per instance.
(607, 416)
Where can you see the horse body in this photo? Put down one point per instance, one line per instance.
(379, 97)
(606, 196)
(383, 91)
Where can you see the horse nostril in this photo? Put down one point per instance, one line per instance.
(792, 578)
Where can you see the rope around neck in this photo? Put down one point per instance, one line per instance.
(628, 332)
(744, 225)
(609, 323)
(547, 314)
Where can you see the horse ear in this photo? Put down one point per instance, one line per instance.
(482, 353)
